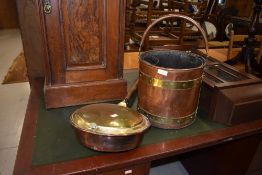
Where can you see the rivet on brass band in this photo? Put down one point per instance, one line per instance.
(181, 122)
(167, 84)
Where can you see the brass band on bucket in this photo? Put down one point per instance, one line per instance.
(168, 122)
(167, 84)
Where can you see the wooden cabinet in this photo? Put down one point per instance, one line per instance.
(83, 42)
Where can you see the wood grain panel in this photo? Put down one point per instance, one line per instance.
(73, 55)
(31, 37)
(53, 37)
(111, 47)
(84, 93)
(83, 31)
(83, 42)
(8, 14)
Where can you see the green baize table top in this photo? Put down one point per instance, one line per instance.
(55, 140)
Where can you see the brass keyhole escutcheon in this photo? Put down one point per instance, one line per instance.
(47, 7)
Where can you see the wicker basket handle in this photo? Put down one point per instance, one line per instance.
(174, 16)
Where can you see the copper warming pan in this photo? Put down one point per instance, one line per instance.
(169, 83)
(109, 127)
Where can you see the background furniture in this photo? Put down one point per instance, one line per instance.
(247, 55)
(236, 12)
(174, 31)
(230, 49)
(241, 38)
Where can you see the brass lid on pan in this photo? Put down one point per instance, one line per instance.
(109, 119)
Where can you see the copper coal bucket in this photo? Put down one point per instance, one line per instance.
(169, 83)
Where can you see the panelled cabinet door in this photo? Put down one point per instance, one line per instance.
(84, 51)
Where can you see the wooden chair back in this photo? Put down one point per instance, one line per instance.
(241, 38)
(173, 29)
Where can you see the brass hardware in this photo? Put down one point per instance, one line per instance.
(109, 119)
(167, 84)
(47, 7)
(179, 122)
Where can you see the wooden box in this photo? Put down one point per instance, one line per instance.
(83, 43)
(229, 96)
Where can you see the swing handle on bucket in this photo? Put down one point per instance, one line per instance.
(174, 16)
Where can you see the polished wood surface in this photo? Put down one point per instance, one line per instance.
(28, 12)
(131, 60)
(83, 51)
(222, 159)
(84, 93)
(29, 20)
(256, 166)
(25, 147)
(116, 161)
(80, 24)
(142, 169)
(221, 54)
(8, 14)
(88, 49)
